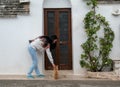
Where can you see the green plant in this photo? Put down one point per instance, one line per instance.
(96, 49)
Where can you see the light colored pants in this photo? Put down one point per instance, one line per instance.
(34, 57)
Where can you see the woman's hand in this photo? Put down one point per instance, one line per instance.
(31, 41)
(48, 46)
(53, 65)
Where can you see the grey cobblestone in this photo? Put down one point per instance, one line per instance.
(59, 83)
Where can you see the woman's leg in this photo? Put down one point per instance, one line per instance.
(34, 65)
(37, 70)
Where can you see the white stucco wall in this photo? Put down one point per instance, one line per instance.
(79, 9)
(14, 36)
(15, 33)
(56, 4)
(78, 33)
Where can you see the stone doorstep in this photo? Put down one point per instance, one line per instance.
(62, 75)
(47, 77)
(66, 75)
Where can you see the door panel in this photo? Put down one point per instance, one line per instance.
(58, 21)
(64, 39)
(51, 23)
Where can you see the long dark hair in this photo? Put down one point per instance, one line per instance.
(53, 45)
(49, 40)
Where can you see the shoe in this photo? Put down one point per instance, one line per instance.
(41, 75)
(30, 76)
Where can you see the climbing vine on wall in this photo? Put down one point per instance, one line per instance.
(96, 49)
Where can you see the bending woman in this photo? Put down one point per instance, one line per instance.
(41, 43)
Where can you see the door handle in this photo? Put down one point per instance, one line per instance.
(63, 42)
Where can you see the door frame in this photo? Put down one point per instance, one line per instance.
(56, 31)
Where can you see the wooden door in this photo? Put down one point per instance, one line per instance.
(58, 21)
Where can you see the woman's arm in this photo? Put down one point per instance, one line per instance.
(33, 39)
(50, 56)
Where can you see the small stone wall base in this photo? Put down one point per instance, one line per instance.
(103, 75)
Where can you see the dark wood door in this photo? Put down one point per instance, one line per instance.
(58, 21)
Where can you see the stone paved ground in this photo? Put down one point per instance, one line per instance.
(66, 79)
(59, 83)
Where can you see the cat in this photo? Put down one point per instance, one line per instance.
(55, 72)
